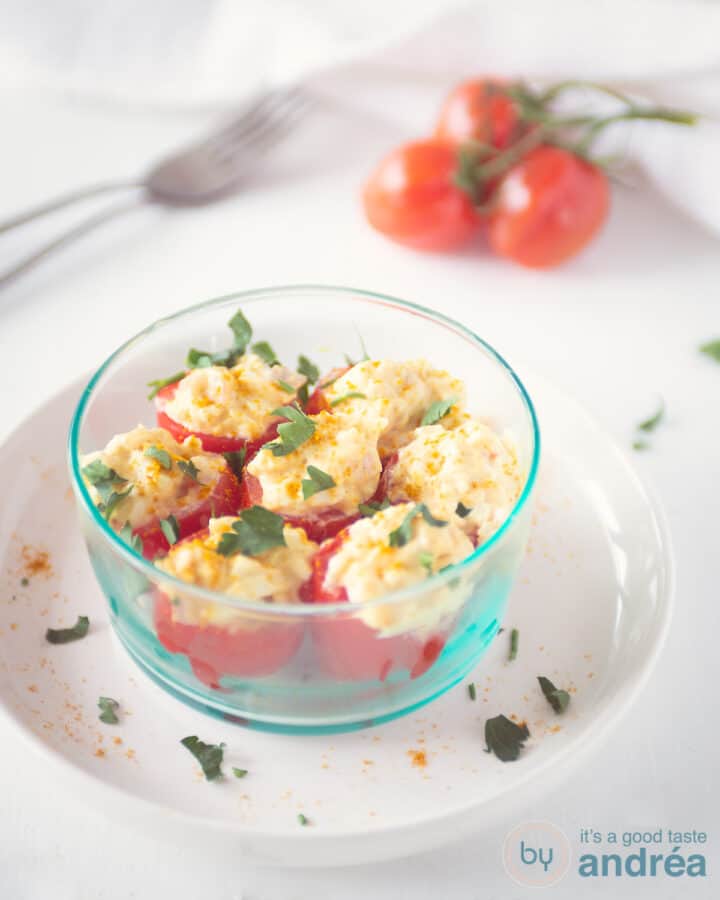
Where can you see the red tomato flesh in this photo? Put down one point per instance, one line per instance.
(211, 443)
(478, 110)
(350, 650)
(224, 500)
(238, 651)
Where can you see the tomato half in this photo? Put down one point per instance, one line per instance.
(350, 650)
(211, 443)
(412, 198)
(318, 525)
(549, 206)
(213, 651)
(224, 499)
(317, 401)
(479, 110)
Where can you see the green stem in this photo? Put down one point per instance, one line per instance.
(574, 84)
(655, 114)
(513, 154)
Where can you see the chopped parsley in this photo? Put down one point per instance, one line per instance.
(640, 445)
(239, 773)
(426, 561)
(103, 479)
(293, 433)
(236, 460)
(285, 386)
(302, 819)
(514, 641)
(403, 533)
(711, 349)
(242, 331)
(652, 423)
(256, 531)
(160, 455)
(372, 506)
(308, 369)
(210, 756)
(161, 383)
(317, 482)
(24, 582)
(348, 396)
(505, 738)
(438, 410)
(200, 359)
(67, 635)
(472, 693)
(462, 510)
(108, 708)
(108, 507)
(170, 529)
(266, 353)
(188, 468)
(558, 699)
(135, 541)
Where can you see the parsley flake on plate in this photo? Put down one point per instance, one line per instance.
(266, 353)
(514, 641)
(505, 738)
(472, 692)
(302, 819)
(403, 533)
(210, 756)
(350, 394)
(256, 531)
(67, 635)
(711, 349)
(369, 509)
(438, 410)
(650, 424)
(317, 482)
(108, 708)
(170, 529)
(291, 434)
(558, 699)
(239, 773)
(160, 455)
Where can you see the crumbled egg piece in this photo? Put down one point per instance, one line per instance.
(156, 492)
(272, 576)
(400, 391)
(232, 402)
(470, 464)
(368, 567)
(343, 447)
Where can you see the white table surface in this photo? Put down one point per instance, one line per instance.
(617, 328)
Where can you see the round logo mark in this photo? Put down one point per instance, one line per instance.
(536, 854)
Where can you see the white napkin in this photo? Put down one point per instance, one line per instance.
(393, 58)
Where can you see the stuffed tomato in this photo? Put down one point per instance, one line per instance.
(318, 472)
(397, 548)
(255, 558)
(228, 409)
(156, 491)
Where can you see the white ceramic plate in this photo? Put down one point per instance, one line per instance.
(592, 604)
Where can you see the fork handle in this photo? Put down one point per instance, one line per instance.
(66, 238)
(67, 200)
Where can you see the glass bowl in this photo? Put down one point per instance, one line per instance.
(304, 667)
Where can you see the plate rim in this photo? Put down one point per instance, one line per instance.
(463, 816)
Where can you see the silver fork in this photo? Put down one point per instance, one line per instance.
(201, 173)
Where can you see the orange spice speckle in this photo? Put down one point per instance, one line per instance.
(130, 754)
(591, 675)
(555, 729)
(418, 758)
(33, 688)
(35, 562)
(117, 741)
(99, 752)
(13, 626)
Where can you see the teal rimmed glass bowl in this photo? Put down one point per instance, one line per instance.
(315, 668)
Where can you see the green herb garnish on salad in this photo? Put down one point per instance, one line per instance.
(256, 531)
(438, 410)
(291, 434)
(317, 482)
(170, 529)
(403, 533)
(160, 455)
(188, 468)
(266, 353)
(350, 394)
